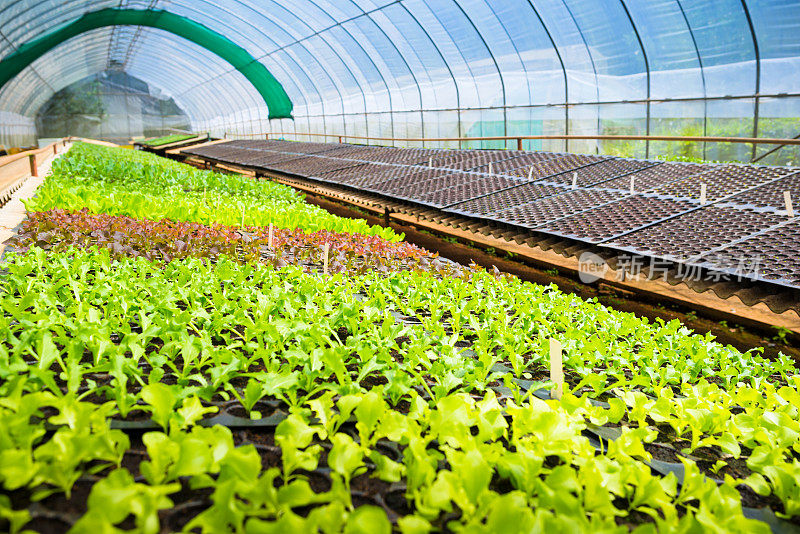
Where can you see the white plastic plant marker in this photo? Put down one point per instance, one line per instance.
(574, 180)
(702, 193)
(632, 185)
(490, 168)
(556, 369)
(325, 250)
(269, 241)
(787, 199)
(530, 173)
(430, 162)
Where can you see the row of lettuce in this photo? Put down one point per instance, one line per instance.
(384, 399)
(140, 185)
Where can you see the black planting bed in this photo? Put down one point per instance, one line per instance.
(744, 214)
(722, 181)
(621, 216)
(769, 196)
(656, 176)
(516, 195)
(697, 232)
(598, 174)
(537, 213)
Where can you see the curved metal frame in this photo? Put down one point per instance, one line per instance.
(270, 89)
(702, 72)
(332, 82)
(647, 67)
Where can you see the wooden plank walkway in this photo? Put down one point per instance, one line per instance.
(13, 212)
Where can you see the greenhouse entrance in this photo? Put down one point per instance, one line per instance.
(111, 106)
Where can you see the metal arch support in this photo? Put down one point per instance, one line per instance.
(352, 74)
(408, 68)
(647, 67)
(444, 62)
(563, 69)
(591, 59)
(757, 53)
(702, 72)
(278, 102)
(288, 69)
(494, 61)
(521, 63)
(460, 52)
(334, 81)
(44, 82)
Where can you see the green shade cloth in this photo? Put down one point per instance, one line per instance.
(278, 102)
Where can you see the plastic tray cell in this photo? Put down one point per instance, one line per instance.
(619, 217)
(312, 165)
(348, 151)
(259, 144)
(373, 175)
(400, 156)
(421, 190)
(359, 152)
(656, 176)
(240, 143)
(553, 166)
(389, 173)
(249, 157)
(234, 155)
(771, 255)
(546, 210)
(601, 172)
(406, 179)
(214, 151)
(303, 147)
(488, 205)
(521, 160)
(477, 187)
(426, 186)
(769, 197)
(696, 232)
(357, 171)
(465, 160)
(273, 144)
(722, 181)
(267, 159)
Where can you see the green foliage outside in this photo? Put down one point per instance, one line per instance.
(74, 109)
(689, 151)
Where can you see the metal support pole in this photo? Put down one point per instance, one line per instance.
(519, 143)
(386, 214)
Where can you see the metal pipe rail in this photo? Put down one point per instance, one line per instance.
(520, 138)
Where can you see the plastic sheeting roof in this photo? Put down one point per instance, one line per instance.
(272, 92)
(346, 57)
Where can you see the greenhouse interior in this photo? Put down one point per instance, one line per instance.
(400, 266)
